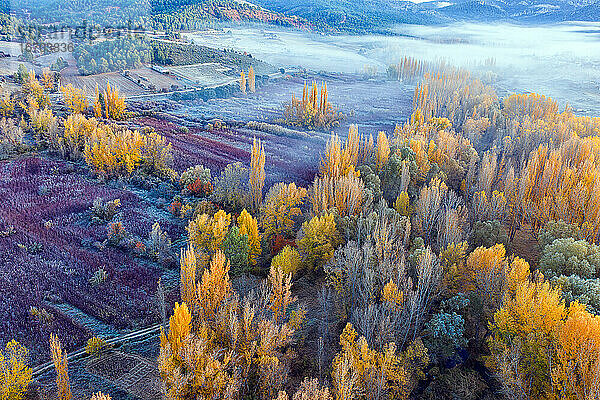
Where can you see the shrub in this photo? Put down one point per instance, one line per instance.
(487, 234)
(444, 334)
(104, 211)
(116, 233)
(100, 276)
(159, 243)
(196, 180)
(319, 240)
(231, 187)
(249, 227)
(11, 138)
(15, 375)
(558, 230)
(41, 314)
(95, 346)
(236, 249)
(569, 256)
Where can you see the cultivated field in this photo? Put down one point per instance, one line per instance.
(153, 80)
(204, 75)
(50, 249)
(88, 83)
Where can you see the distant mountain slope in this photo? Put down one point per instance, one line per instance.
(355, 15)
(528, 11)
(379, 15)
(161, 14)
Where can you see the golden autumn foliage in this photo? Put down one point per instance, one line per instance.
(287, 260)
(251, 80)
(341, 159)
(15, 374)
(7, 106)
(402, 204)
(74, 99)
(383, 150)
(43, 121)
(559, 184)
(319, 241)
(257, 172)
(214, 286)
(78, 130)
(344, 192)
(489, 275)
(577, 366)
(179, 328)
(32, 88)
(243, 82)
(281, 294)
(97, 105)
(188, 267)
(314, 111)
(392, 295)
(206, 233)
(359, 372)
(61, 367)
(249, 226)
(212, 349)
(408, 69)
(47, 79)
(456, 95)
(100, 396)
(119, 152)
(109, 104)
(282, 203)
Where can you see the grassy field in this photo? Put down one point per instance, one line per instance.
(88, 83)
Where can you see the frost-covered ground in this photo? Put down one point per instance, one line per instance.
(561, 61)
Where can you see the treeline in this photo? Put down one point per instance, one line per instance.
(112, 55)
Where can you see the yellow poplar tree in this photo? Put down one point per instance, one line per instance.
(243, 82)
(257, 172)
(249, 226)
(383, 150)
(62, 369)
(251, 80)
(15, 375)
(74, 99)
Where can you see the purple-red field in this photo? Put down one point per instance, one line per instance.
(49, 250)
(287, 158)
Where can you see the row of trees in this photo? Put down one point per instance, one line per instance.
(314, 111)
